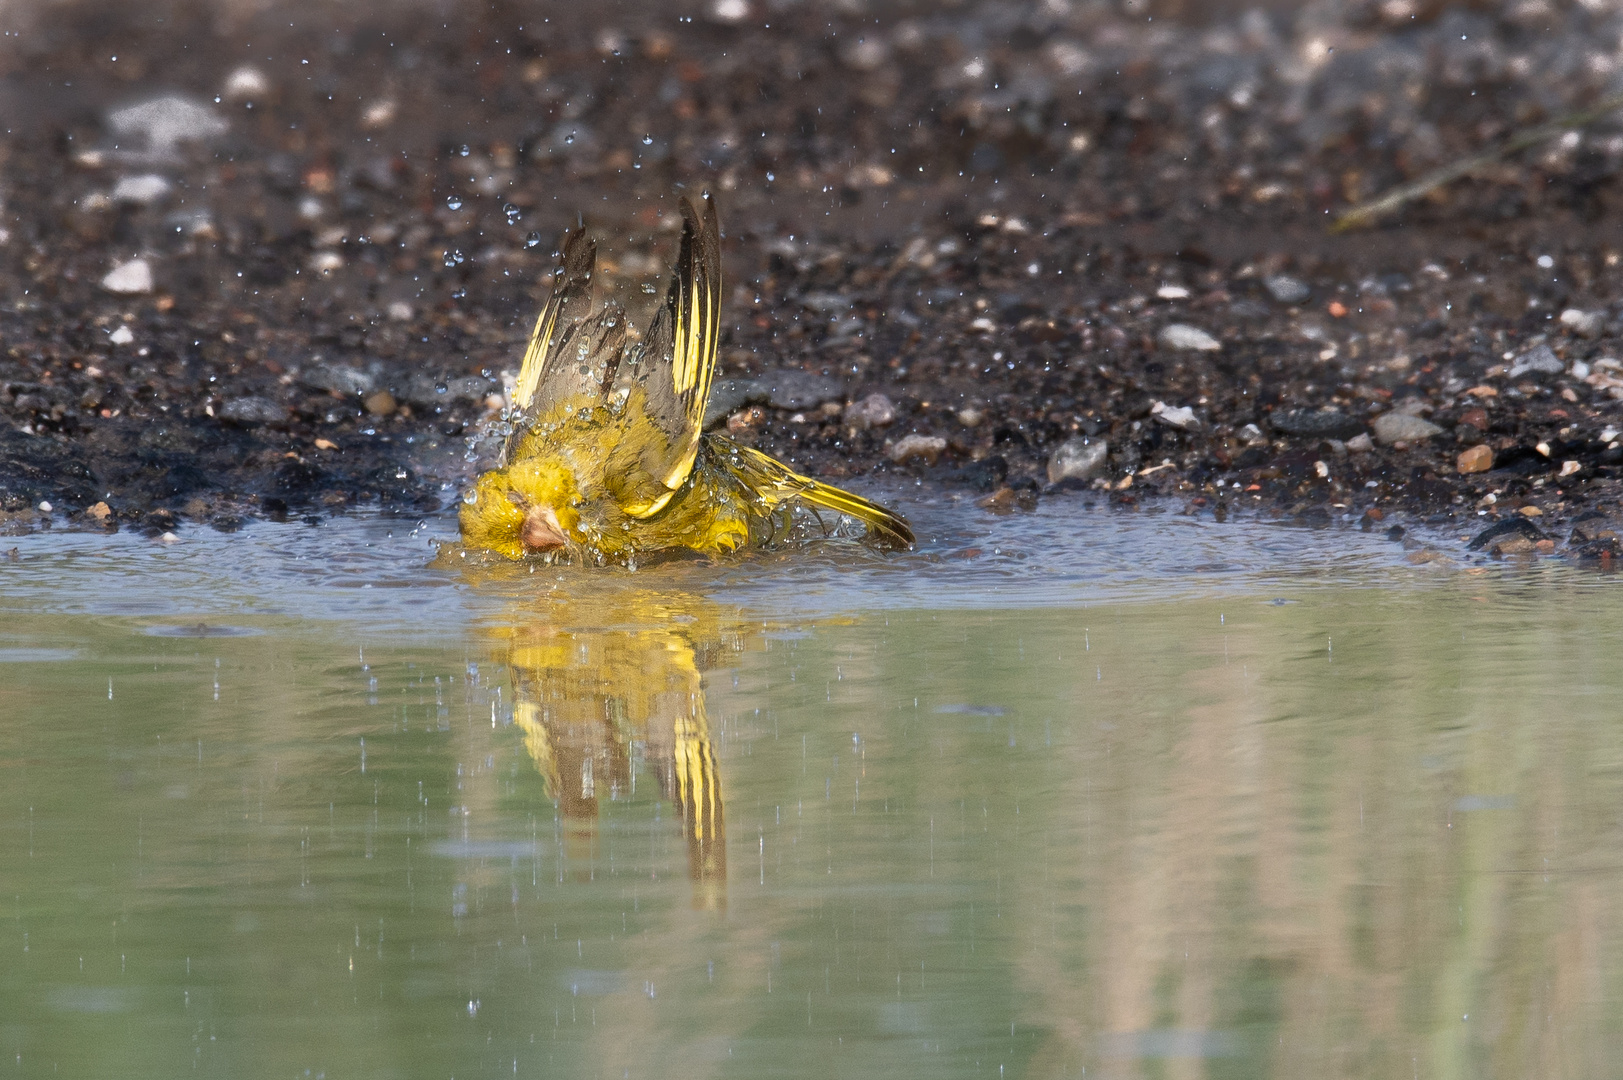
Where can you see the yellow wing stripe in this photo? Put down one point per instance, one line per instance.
(535, 354)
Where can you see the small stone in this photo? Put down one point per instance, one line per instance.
(1570, 468)
(1513, 545)
(1475, 459)
(400, 311)
(1361, 444)
(326, 444)
(168, 538)
(1589, 324)
(100, 513)
(875, 410)
(140, 190)
(381, 403)
(791, 389)
(1395, 427)
(164, 122)
(1172, 292)
(121, 336)
(970, 416)
(1316, 423)
(245, 83)
(252, 410)
(45, 507)
(1006, 500)
(1181, 417)
(1286, 289)
(129, 278)
(1251, 435)
(325, 262)
(1184, 336)
(1540, 359)
(1531, 511)
(1500, 531)
(928, 447)
(1077, 459)
(337, 378)
(727, 396)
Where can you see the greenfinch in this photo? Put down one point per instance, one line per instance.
(608, 458)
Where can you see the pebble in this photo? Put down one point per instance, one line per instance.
(1475, 459)
(381, 403)
(100, 513)
(165, 122)
(928, 447)
(1499, 532)
(875, 410)
(792, 389)
(1077, 459)
(1589, 324)
(970, 416)
(1394, 427)
(1540, 359)
(1361, 443)
(337, 378)
(1286, 289)
(122, 336)
(1184, 336)
(1317, 423)
(244, 83)
(727, 396)
(129, 278)
(252, 410)
(1181, 417)
(141, 190)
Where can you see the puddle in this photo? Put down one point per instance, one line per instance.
(1074, 791)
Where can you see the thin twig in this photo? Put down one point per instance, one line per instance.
(1366, 213)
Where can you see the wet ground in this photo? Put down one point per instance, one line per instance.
(278, 262)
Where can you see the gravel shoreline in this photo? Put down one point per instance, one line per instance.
(262, 269)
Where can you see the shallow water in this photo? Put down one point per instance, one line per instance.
(1076, 793)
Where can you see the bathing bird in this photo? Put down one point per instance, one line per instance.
(608, 457)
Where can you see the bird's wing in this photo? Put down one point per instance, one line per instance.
(571, 352)
(774, 482)
(674, 372)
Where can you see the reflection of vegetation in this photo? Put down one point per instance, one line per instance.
(611, 676)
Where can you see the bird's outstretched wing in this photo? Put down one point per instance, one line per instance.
(775, 482)
(673, 371)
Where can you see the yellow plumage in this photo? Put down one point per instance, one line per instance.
(609, 458)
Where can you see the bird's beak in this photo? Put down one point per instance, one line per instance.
(541, 531)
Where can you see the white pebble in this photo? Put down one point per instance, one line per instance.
(245, 82)
(121, 336)
(400, 311)
(142, 190)
(166, 121)
(1077, 459)
(1183, 336)
(44, 507)
(1181, 416)
(928, 447)
(1172, 292)
(132, 277)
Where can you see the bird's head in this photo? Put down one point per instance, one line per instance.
(527, 508)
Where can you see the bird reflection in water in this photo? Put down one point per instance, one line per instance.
(604, 680)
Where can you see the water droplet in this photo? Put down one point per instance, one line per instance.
(648, 288)
(454, 258)
(648, 140)
(464, 151)
(454, 202)
(513, 213)
(569, 139)
(533, 240)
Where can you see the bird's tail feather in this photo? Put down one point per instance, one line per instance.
(882, 524)
(769, 476)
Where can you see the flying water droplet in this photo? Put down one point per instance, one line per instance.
(454, 202)
(513, 213)
(454, 258)
(464, 151)
(533, 240)
(648, 140)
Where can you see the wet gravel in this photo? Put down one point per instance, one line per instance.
(282, 262)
